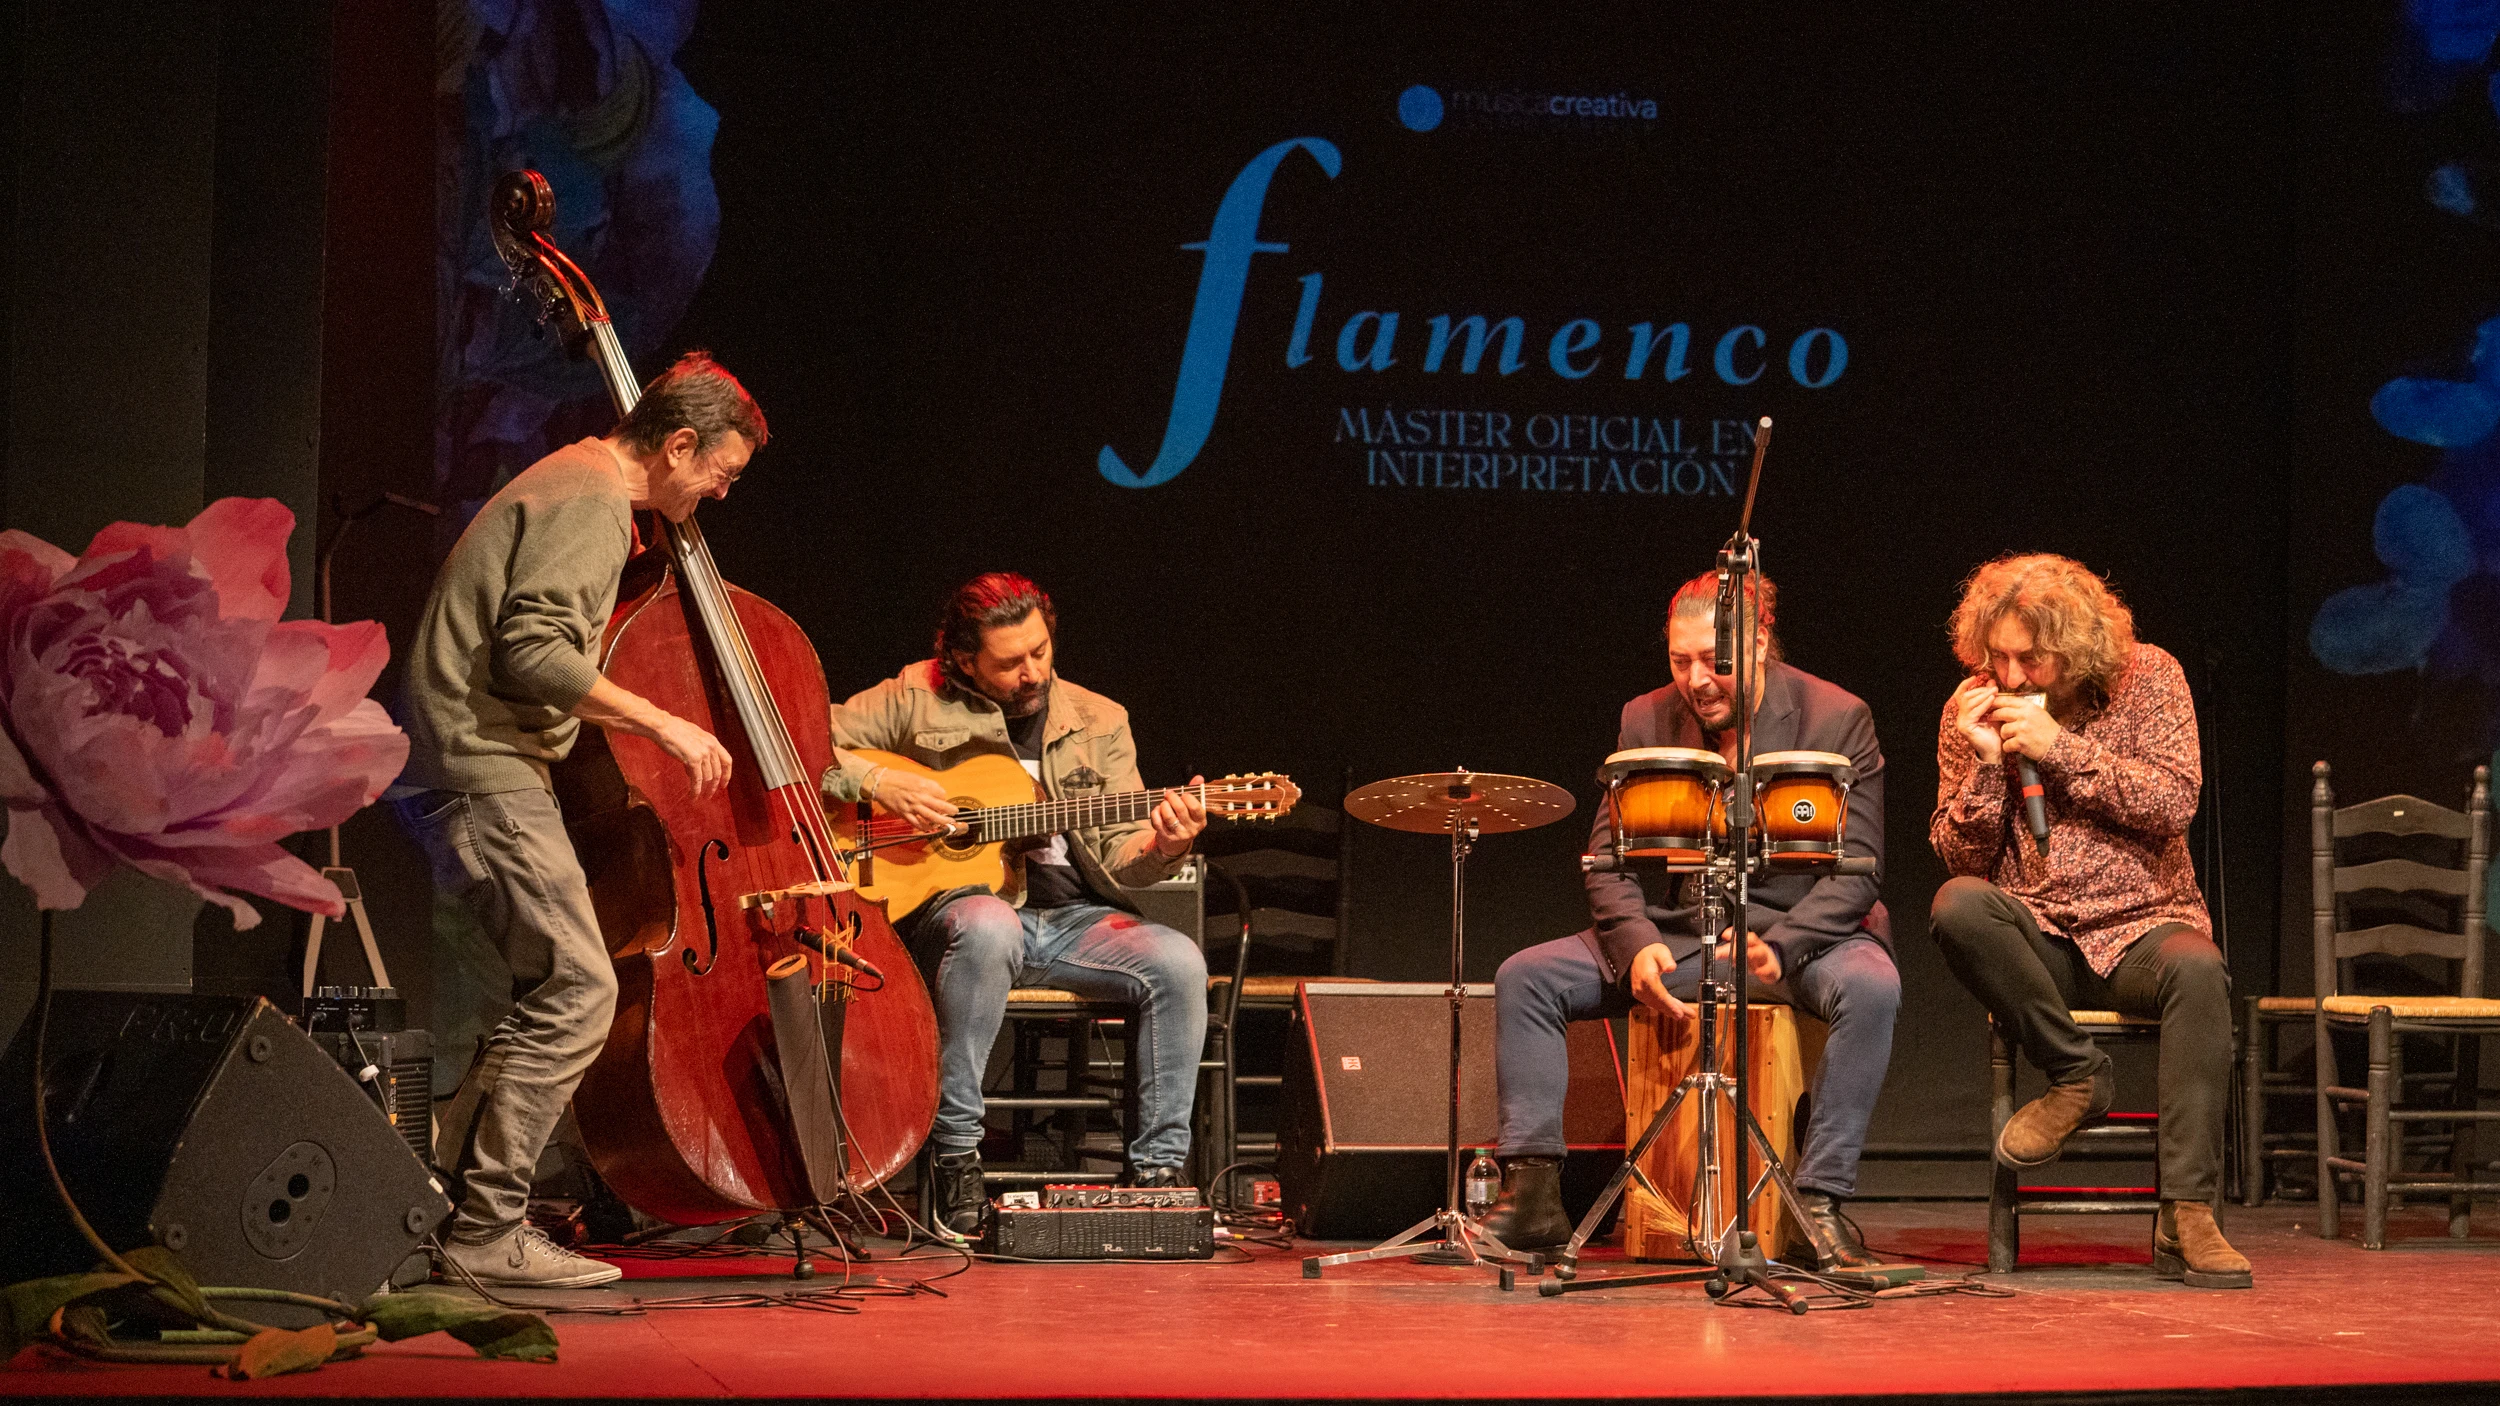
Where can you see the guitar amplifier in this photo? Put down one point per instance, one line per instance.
(1107, 1233)
(396, 1069)
(1179, 902)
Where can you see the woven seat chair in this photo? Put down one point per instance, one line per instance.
(2390, 1113)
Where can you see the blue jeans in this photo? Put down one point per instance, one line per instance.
(986, 948)
(1852, 986)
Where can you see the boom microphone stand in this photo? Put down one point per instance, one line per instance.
(1739, 1261)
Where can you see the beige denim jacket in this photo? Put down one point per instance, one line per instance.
(1086, 750)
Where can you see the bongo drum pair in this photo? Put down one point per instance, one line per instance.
(1669, 805)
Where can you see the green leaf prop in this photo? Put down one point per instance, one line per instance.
(176, 1286)
(30, 1305)
(494, 1332)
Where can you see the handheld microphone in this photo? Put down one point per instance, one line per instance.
(1723, 645)
(2035, 806)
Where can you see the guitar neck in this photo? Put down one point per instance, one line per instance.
(994, 823)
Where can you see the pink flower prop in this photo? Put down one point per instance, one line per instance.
(154, 710)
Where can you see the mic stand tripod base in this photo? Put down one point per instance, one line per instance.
(1462, 1239)
(1710, 1087)
(1740, 1265)
(1739, 1260)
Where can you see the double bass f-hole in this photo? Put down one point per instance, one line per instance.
(712, 848)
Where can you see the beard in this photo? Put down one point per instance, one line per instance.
(1025, 702)
(1712, 708)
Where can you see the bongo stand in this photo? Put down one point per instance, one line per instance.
(1726, 874)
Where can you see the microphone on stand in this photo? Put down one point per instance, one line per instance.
(843, 956)
(2035, 805)
(1723, 644)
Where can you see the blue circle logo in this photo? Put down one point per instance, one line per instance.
(1419, 108)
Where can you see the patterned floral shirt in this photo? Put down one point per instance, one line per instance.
(2121, 786)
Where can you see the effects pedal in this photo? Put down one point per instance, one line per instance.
(1080, 1196)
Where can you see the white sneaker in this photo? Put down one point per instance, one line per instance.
(525, 1259)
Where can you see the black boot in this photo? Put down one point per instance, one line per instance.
(1529, 1215)
(960, 1201)
(1157, 1176)
(1824, 1217)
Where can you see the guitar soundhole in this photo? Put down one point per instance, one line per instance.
(957, 846)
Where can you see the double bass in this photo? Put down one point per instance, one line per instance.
(752, 974)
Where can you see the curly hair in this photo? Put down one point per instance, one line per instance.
(2071, 613)
(1698, 599)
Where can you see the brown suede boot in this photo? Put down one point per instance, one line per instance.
(2188, 1246)
(2039, 1128)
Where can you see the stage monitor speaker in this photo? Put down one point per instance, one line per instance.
(1363, 1150)
(212, 1126)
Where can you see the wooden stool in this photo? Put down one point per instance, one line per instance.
(1785, 1049)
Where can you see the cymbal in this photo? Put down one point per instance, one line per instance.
(1433, 802)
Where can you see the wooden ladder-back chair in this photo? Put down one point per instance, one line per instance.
(2461, 1017)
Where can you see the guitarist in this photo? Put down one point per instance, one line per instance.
(992, 689)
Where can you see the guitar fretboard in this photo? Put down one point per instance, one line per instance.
(1233, 798)
(993, 823)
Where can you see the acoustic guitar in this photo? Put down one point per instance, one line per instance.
(997, 806)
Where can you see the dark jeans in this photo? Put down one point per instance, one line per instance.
(2030, 981)
(1852, 986)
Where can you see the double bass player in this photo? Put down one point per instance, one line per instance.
(501, 677)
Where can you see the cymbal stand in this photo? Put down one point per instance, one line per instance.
(1457, 1238)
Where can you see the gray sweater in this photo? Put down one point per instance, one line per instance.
(506, 646)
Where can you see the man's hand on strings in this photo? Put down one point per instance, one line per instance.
(915, 799)
(706, 761)
(1178, 818)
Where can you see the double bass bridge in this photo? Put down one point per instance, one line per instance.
(769, 899)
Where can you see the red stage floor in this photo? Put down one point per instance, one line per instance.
(2086, 1316)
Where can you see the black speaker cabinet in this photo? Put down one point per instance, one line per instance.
(1364, 1147)
(212, 1126)
(1179, 902)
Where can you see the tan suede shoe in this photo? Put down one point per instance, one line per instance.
(2189, 1247)
(2039, 1128)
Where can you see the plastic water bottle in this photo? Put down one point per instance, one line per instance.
(1484, 1183)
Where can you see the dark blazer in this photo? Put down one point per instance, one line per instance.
(1797, 913)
